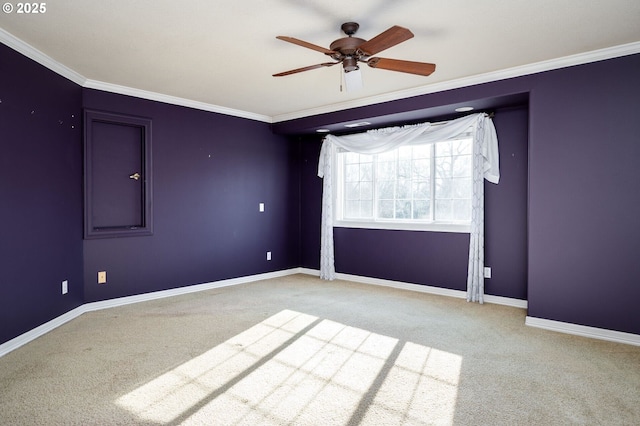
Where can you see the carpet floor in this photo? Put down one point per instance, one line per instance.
(300, 351)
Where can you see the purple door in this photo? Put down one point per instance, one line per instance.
(118, 176)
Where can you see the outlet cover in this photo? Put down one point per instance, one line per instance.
(65, 287)
(102, 277)
(268, 255)
(487, 272)
(261, 207)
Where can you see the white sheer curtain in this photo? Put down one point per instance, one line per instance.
(485, 165)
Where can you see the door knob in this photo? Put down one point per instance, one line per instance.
(135, 176)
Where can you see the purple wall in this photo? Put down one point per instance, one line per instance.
(40, 194)
(506, 208)
(584, 216)
(210, 173)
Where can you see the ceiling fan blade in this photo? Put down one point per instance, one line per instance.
(306, 44)
(310, 67)
(391, 37)
(420, 68)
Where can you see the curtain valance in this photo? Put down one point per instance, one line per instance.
(378, 141)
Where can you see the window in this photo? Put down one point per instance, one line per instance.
(419, 187)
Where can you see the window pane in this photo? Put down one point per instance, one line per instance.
(463, 147)
(352, 190)
(403, 209)
(443, 167)
(461, 209)
(366, 171)
(421, 169)
(366, 190)
(386, 170)
(462, 188)
(421, 209)
(385, 189)
(353, 173)
(462, 166)
(366, 209)
(443, 149)
(421, 190)
(443, 188)
(385, 209)
(422, 151)
(404, 169)
(353, 208)
(403, 188)
(443, 210)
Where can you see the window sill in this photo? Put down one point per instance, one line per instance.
(429, 227)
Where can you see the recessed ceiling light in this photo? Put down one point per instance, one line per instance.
(323, 130)
(464, 109)
(360, 124)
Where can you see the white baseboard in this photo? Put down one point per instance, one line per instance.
(498, 300)
(583, 330)
(562, 327)
(33, 334)
(403, 286)
(121, 301)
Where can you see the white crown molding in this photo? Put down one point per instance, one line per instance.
(36, 55)
(32, 53)
(584, 331)
(567, 61)
(173, 100)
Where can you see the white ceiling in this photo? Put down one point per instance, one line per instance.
(221, 54)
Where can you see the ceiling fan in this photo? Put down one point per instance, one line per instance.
(350, 50)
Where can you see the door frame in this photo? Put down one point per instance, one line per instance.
(144, 124)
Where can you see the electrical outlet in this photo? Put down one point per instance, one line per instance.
(261, 207)
(268, 255)
(487, 272)
(102, 277)
(65, 287)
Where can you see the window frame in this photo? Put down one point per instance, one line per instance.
(391, 224)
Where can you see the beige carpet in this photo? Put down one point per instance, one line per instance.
(297, 350)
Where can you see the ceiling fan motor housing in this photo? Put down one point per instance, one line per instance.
(346, 50)
(346, 45)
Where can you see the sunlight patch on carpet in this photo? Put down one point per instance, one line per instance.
(297, 368)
